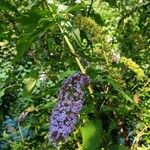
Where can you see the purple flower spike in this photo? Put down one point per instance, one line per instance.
(70, 102)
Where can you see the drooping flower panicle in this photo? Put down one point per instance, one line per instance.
(133, 66)
(70, 102)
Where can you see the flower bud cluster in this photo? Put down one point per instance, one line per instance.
(88, 24)
(70, 102)
(116, 57)
(133, 66)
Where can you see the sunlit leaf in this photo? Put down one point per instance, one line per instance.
(76, 36)
(63, 74)
(29, 83)
(2, 92)
(31, 109)
(75, 8)
(92, 135)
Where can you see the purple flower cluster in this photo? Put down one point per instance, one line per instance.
(70, 102)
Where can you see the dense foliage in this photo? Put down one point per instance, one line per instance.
(45, 42)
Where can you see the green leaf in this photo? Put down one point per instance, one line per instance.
(76, 36)
(117, 147)
(116, 87)
(31, 18)
(63, 74)
(98, 19)
(92, 72)
(47, 20)
(29, 83)
(3, 75)
(52, 90)
(112, 126)
(23, 44)
(4, 5)
(75, 8)
(112, 3)
(107, 109)
(2, 91)
(5, 135)
(91, 134)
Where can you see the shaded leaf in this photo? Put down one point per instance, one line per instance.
(117, 147)
(53, 90)
(31, 18)
(112, 3)
(4, 5)
(112, 126)
(98, 19)
(118, 88)
(107, 109)
(23, 44)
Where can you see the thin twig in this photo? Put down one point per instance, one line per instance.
(10, 86)
(90, 7)
(137, 139)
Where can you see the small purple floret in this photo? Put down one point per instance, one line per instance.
(70, 102)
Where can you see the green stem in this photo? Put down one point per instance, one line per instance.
(72, 50)
(90, 8)
(106, 58)
(20, 132)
